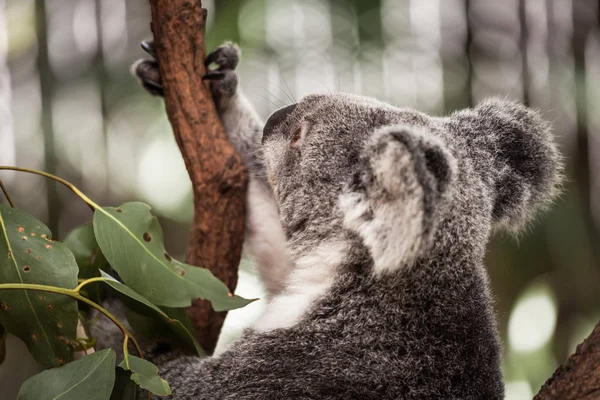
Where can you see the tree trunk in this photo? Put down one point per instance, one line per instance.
(218, 175)
(579, 377)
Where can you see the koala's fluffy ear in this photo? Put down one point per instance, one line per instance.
(395, 197)
(527, 167)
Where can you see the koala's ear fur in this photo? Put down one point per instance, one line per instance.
(527, 167)
(395, 197)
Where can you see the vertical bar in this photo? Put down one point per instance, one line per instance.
(469, 52)
(523, 44)
(7, 138)
(46, 90)
(582, 24)
(102, 80)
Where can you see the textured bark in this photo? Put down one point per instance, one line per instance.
(579, 377)
(218, 175)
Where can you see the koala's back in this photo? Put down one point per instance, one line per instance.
(411, 336)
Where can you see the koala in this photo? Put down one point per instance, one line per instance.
(369, 225)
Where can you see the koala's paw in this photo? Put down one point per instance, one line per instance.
(148, 72)
(224, 79)
(393, 198)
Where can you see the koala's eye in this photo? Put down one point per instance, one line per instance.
(296, 136)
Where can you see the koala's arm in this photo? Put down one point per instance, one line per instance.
(265, 239)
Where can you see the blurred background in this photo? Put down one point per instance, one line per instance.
(69, 106)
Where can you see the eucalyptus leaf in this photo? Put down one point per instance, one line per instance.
(180, 315)
(124, 388)
(141, 305)
(82, 242)
(46, 322)
(132, 241)
(91, 378)
(90, 260)
(149, 328)
(145, 374)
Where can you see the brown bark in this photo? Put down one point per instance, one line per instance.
(218, 175)
(579, 377)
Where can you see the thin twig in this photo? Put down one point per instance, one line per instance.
(74, 294)
(6, 194)
(68, 184)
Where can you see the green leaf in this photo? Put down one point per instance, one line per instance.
(46, 322)
(140, 305)
(2, 344)
(124, 388)
(91, 378)
(132, 241)
(145, 374)
(180, 315)
(82, 242)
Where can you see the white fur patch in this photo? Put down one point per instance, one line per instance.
(390, 222)
(265, 240)
(312, 277)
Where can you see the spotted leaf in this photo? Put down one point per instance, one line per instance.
(46, 322)
(132, 241)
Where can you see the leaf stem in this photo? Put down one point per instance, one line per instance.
(125, 352)
(127, 335)
(88, 281)
(68, 184)
(6, 194)
(40, 288)
(75, 294)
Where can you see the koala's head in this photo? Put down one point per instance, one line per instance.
(340, 163)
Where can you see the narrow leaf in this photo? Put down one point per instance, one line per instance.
(124, 388)
(91, 378)
(145, 374)
(46, 322)
(132, 241)
(141, 305)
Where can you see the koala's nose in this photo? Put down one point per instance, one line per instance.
(275, 119)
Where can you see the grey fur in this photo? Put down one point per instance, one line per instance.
(379, 178)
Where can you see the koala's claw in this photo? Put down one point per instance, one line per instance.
(154, 88)
(224, 80)
(149, 47)
(214, 76)
(226, 56)
(148, 74)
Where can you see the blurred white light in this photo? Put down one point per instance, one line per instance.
(162, 178)
(71, 36)
(395, 19)
(115, 35)
(518, 390)
(84, 27)
(532, 321)
(7, 138)
(251, 22)
(18, 26)
(250, 287)
(77, 123)
(298, 27)
(425, 22)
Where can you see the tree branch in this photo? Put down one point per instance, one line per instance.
(579, 377)
(218, 175)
